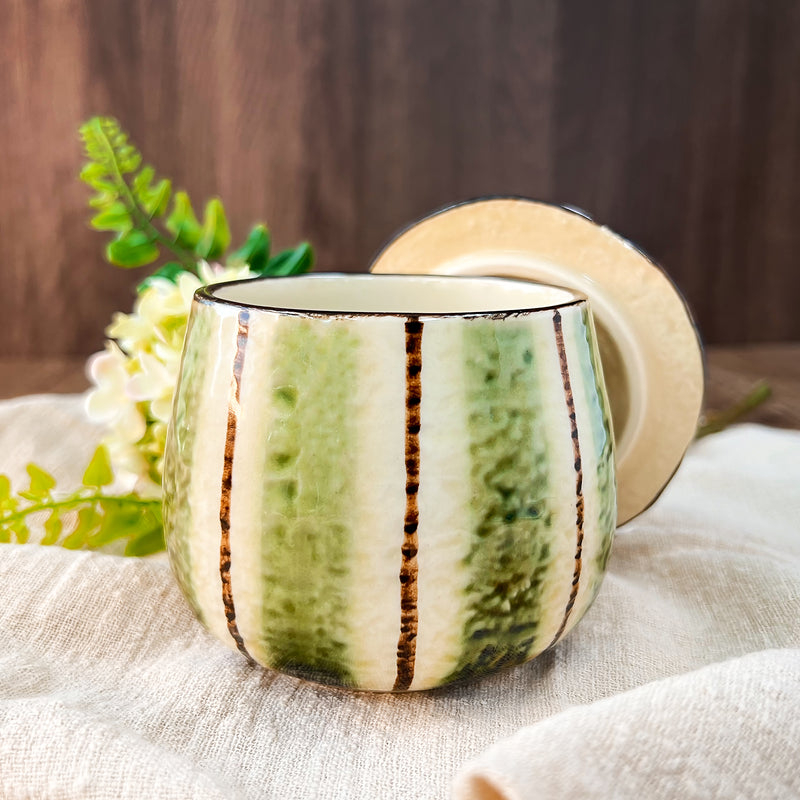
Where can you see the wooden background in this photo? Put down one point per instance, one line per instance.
(676, 123)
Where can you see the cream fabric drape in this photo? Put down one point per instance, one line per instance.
(683, 681)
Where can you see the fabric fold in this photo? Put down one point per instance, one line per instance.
(727, 730)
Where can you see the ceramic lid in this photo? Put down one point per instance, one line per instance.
(649, 347)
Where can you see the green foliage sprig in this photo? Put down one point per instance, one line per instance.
(133, 203)
(151, 224)
(87, 518)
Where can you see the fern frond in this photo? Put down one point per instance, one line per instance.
(140, 208)
(85, 519)
(128, 197)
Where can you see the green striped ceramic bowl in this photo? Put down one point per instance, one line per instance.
(389, 482)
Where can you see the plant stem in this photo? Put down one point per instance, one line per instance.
(73, 502)
(126, 195)
(716, 422)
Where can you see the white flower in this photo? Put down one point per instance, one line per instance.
(135, 376)
(108, 403)
(106, 370)
(152, 383)
(216, 273)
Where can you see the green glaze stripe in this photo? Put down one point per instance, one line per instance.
(591, 372)
(179, 454)
(309, 488)
(510, 553)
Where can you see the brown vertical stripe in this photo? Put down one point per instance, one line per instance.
(407, 643)
(227, 475)
(576, 452)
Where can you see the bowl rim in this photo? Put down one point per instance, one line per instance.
(207, 295)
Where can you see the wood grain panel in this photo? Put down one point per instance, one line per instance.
(338, 121)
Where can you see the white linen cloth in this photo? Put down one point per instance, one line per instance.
(683, 681)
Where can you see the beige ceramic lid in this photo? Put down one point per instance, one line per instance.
(649, 347)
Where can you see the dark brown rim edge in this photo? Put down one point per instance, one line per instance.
(205, 295)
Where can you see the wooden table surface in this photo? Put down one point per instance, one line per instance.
(732, 372)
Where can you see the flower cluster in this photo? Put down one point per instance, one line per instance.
(134, 378)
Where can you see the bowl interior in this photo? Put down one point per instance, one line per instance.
(393, 294)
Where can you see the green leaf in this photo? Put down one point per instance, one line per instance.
(52, 528)
(141, 182)
(291, 262)
(119, 522)
(34, 497)
(216, 235)
(114, 217)
(133, 249)
(171, 271)
(9, 503)
(107, 145)
(152, 541)
(254, 252)
(102, 200)
(92, 171)
(98, 472)
(155, 200)
(152, 199)
(96, 175)
(5, 487)
(20, 531)
(89, 519)
(41, 482)
(182, 222)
